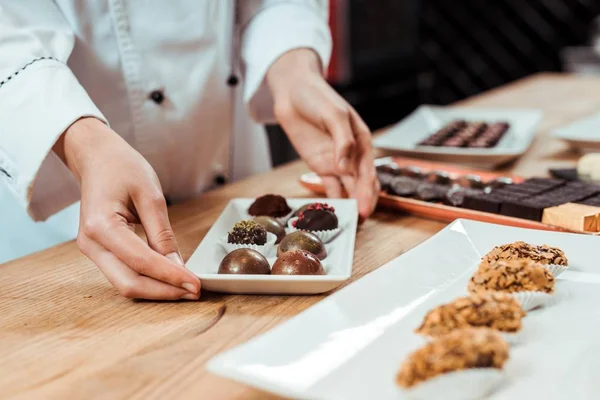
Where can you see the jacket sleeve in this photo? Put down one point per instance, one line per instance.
(39, 99)
(270, 28)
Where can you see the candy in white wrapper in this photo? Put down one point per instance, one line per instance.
(468, 384)
(530, 300)
(555, 269)
(265, 249)
(325, 236)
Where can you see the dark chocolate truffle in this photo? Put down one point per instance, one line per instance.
(317, 217)
(431, 191)
(298, 262)
(302, 240)
(247, 232)
(439, 177)
(271, 205)
(272, 225)
(403, 186)
(244, 261)
(302, 209)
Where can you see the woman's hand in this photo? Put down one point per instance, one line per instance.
(119, 189)
(325, 130)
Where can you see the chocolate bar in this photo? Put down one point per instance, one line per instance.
(533, 208)
(486, 202)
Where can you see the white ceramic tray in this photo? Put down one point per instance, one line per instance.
(351, 344)
(583, 134)
(338, 264)
(403, 138)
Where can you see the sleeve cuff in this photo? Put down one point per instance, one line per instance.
(36, 107)
(272, 32)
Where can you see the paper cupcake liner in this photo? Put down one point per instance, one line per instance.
(475, 383)
(265, 249)
(530, 300)
(325, 236)
(556, 269)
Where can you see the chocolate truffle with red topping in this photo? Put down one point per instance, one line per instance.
(271, 205)
(317, 217)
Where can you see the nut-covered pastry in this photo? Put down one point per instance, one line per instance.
(459, 350)
(494, 310)
(524, 251)
(511, 276)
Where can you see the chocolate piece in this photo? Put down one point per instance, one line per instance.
(271, 225)
(500, 182)
(431, 191)
(494, 310)
(590, 201)
(297, 262)
(317, 217)
(247, 232)
(486, 202)
(532, 208)
(244, 261)
(302, 209)
(271, 205)
(459, 350)
(303, 240)
(520, 250)
(442, 134)
(469, 181)
(568, 174)
(456, 195)
(520, 275)
(439, 177)
(403, 186)
(387, 172)
(412, 172)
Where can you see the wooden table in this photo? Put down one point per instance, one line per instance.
(66, 333)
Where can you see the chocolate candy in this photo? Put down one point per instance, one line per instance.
(444, 133)
(464, 134)
(431, 191)
(387, 172)
(469, 181)
(271, 225)
(456, 195)
(412, 172)
(271, 205)
(440, 177)
(403, 186)
(297, 262)
(303, 240)
(244, 261)
(247, 232)
(317, 217)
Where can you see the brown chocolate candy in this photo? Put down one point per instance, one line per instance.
(317, 217)
(298, 262)
(272, 205)
(244, 261)
(303, 240)
(271, 225)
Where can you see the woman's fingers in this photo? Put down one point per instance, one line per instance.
(333, 187)
(367, 184)
(112, 233)
(127, 281)
(152, 212)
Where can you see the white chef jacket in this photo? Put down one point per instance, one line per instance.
(61, 60)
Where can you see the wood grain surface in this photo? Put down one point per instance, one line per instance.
(66, 333)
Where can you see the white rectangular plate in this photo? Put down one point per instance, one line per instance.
(583, 134)
(351, 344)
(403, 138)
(338, 263)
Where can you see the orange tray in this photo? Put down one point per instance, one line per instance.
(438, 211)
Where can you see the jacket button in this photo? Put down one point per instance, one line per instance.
(157, 96)
(220, 180)
(232, 80)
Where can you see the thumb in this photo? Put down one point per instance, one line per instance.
(152, 212)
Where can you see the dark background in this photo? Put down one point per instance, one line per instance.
(402, 53)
